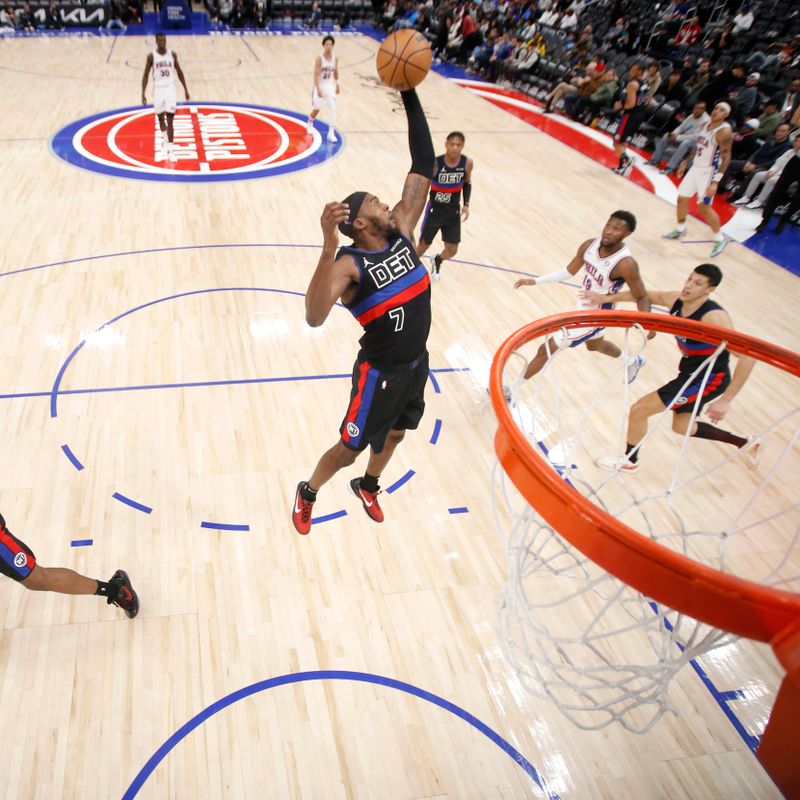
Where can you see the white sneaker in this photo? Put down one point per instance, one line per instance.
(742, 201)
(634, 365)
(331, 135)
(719, 246)
(755, 204)
(620, 464)
(309, 127)
(675, 233)
(752, 452)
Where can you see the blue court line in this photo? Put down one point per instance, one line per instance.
(328, 517)
(332, 675)
(243, 39)
(132, 503)
(437, 429)
(81, 542)
(111, 49)
(458, 510)
(400, 481)
(72, 457)
(223, 526)
(434, 382)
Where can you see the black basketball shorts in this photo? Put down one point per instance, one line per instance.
(682, 397)
(382, 400)
(447, 222)
(16, 558)
(629, 126)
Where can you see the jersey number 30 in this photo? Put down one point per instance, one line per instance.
(399, 317)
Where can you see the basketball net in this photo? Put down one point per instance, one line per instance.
(676, 541)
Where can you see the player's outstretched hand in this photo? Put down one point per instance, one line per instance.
(333, 214)
(592, 298)
(525, 282)
(144, 100)
(187, 95)
(717, 410)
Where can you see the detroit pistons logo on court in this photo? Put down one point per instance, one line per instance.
(212, 142)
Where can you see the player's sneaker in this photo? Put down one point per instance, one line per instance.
(616, 464)
(301, 512)
(434, 269)
(309, 127)
(742, 201)
(718, 247)
(752, 452)
(755, 204)
(626, 162)
(368, 500)
(331, 135)
(125, 598)
(675, 233)
(634, 365)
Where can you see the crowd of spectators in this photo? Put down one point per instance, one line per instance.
(575, 56)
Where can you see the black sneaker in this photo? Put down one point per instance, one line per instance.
(125, 598)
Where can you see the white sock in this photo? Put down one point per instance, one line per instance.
(718, 237)
(681, 226)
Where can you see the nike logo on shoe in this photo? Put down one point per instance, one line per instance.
(364, 498)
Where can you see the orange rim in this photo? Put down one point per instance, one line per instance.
(725, 601)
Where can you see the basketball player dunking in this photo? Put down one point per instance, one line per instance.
(383, 284)
(689, 392)
(607, 264)
(326, 86)
(18, 562)
(452, 175)
(633, 105)
(710, 162)
(164, 65)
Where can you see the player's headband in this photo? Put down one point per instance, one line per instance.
(353, 201)
(725, 106)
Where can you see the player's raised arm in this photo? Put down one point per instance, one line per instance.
(179, 73)
(559, 274)
(628, 270)
(332, 277)
(148, 66)
(415, 190)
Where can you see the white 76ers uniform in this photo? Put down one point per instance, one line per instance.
(164, 95)
(596, 278)
(327, 83)
(705, 164)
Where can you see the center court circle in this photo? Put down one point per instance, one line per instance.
(213, 142)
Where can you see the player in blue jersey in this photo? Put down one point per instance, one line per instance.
(690, 392)
(381, 281)
(452, 177)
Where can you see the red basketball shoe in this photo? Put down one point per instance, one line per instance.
(368, 500)
(301, 513)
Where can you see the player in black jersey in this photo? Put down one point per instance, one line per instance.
(18, 562)
(633, 105)
(383, 284)
(688, 392)
(452, 177)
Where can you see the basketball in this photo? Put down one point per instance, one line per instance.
(404, 59)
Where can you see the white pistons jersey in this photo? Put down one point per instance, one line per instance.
(163, 70)
(708, 155)
(597, 272)
(327, 67)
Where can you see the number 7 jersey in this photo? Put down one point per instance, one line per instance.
(392, 303)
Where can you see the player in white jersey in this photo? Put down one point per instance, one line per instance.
(710, 162)
(164, 65)
(326, 86)
(607, 263)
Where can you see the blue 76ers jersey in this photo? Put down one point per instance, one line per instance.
(392, 303)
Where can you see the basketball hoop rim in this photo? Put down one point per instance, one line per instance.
(725, 601)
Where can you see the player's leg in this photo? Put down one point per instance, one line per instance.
(422, 247)
(711, 217)
(330, 99)
(640, 413)
(316, 105)
(451, 236)
(431, 224)
(686, 189)
(620, 137)
(543, 355)
(600, 344)
(170, 129)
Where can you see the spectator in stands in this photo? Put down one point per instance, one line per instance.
(564, 88)
(689, 33)
(745, 98)
(617, 36)
(550, 18)
(744, 142)
(723, 84)
(722, 41)
(743, 21)
(682, 140)
(653, 76)
(52, 18)
(765, 180)
(504, 50)
(8, 20)
(586, 109)
(114, 16)
(518, 62)
(25, 18)
(225, 10)
(768, 121)
(587, 88)
(133, 12)
(762, 159)
(569, 22)
(212, 7)
(313, 21)
(781, 194)
(700, 79)
(788, 102)
(482, 54)
(260, 15)
(673, 88)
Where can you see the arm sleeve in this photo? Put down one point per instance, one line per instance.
(467, 192)
(555, 276)
(419, 136)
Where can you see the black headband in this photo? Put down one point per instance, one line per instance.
(353, 201)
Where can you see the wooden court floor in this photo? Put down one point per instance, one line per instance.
(218, 399)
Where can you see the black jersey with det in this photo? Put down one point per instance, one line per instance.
(693, 351)
(392, 303)
(447, 184)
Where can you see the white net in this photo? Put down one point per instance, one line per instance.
(577, 635)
